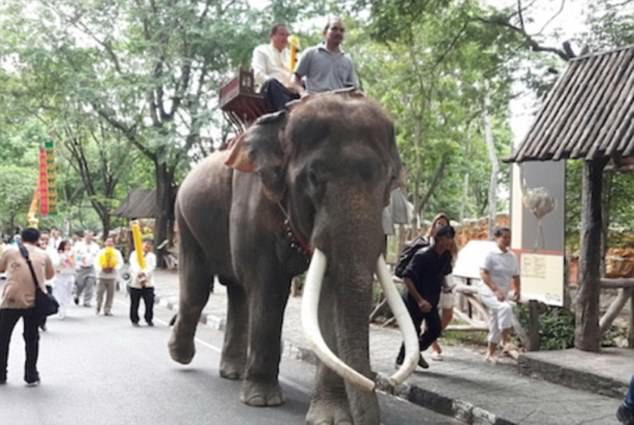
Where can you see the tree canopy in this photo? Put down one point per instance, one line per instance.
(128, 90)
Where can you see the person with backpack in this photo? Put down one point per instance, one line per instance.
(17, 300)
(446, 302)
(424, 278)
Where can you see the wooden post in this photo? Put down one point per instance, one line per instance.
(533, 326)
(630, 339)
(587, 333)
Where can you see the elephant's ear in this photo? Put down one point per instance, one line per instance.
(264, 149)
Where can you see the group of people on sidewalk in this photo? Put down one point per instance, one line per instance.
(70, 273)
(429, 297)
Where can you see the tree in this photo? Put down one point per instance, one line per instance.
(432, 81)
(16, 192)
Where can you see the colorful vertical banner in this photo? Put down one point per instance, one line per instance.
(42, 183)
(51, 174)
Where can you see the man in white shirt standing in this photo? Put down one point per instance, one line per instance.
(85, 252)
(142, 285)
(271, 69)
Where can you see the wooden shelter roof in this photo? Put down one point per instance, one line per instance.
(140, 203)
(588, 114)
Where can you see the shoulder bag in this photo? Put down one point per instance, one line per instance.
(45, 304)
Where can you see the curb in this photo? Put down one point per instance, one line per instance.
(460, 410)
(571, 378)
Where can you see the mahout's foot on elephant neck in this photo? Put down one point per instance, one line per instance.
(261, 394)
(182, 350)
(232, 369)
(331, 411)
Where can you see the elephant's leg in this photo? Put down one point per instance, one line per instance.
(329, 404)
(194, 279)
(267, 300)
(234, 349)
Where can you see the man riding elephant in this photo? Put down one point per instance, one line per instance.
(322, 175)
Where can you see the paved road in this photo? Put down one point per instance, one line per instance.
(100, 370)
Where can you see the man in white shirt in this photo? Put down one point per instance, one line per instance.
(500, 283)
(271, 69)
(85, 252)
(142, 285)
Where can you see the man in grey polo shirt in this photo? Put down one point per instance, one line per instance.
(326, 67)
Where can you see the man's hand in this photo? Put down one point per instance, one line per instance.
(517, 296)
(499, 295)
(424, 305)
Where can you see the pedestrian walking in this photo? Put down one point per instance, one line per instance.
(424, 278)
(500, 283)
(142, 286)
(52, 253)
(64, 278)
(108, 263)
(18, 300)
(447, 298)
(85, 252)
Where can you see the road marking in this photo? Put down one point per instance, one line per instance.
(295, 385)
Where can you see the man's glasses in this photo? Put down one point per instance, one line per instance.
(339, 29)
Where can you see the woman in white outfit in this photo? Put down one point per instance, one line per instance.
(64, 277)
(500, 283)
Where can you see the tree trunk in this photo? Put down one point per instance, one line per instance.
(164, 201)
(495, 167)
(587, 332)
(465, 197)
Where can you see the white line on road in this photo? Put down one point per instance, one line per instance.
(295, 385)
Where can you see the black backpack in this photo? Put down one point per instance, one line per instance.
(406, 255)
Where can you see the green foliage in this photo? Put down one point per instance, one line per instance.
(16, 191)
(557, 327)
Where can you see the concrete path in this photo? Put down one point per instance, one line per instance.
(462, 385)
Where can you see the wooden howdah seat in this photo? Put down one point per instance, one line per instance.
(239, 102)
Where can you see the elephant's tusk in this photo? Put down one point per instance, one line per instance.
(404, 321)
(310, 323)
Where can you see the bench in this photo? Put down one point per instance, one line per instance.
(239, 102)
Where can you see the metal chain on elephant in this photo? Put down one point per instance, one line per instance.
(295, 241)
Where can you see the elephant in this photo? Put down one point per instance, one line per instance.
(321, 176)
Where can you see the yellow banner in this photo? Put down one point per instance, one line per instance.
(138, 243)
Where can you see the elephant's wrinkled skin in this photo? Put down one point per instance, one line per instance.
(331, 164)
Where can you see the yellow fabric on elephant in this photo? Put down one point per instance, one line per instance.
(108, 259)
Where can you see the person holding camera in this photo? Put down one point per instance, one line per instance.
(17, 301)
(142, 285)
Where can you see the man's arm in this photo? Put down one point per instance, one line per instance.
(517, 289)
(301, 71)
(416, 264)
(259, 65)
(486, 278)
(3, 261)
(49, 269)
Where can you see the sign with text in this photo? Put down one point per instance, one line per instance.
(541, 278)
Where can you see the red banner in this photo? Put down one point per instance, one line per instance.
(42, 183)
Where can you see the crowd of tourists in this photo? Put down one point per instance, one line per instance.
(78, 270)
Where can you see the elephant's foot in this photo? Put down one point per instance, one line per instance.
(182, 350)
(231, 369)
(261, 394)
(329, 412)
